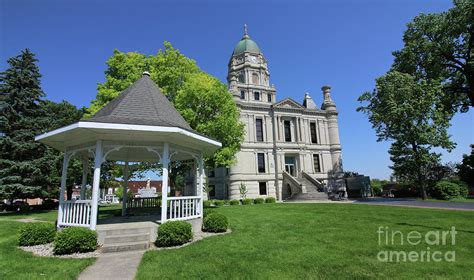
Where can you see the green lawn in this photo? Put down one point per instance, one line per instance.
(17, 264)
(298, 241)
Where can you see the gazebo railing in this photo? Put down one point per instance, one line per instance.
(75, 213)
(143, 202)
(184, 207)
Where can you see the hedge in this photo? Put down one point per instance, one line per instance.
(31, 234)
(259, 200)
(206, 203)
(219, 203)
(75, 240)
(234, 202)
(270, 200)
(247, 201)
(215, 222)
(174, 233)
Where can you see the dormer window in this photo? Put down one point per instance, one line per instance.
(256, 96)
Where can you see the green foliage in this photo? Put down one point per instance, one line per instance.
(206, 203)
(247, 201)
(466, 169)
(208, 189)
(270, 200)
(29, 168)
(75, 240)
(174, 233)
(234, 202)
(215, 222)
(243, 190)
(377, 186)
(412, 115)
(259, 200)
(447, 190)
(202, 99)
(119, 193)
(440, 47)
(31, 234)
(219, 203)
(208, 211)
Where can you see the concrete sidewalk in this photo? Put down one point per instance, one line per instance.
(116, 266)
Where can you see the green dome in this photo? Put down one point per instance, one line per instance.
(246, 45)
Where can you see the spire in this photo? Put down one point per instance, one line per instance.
(246, 34)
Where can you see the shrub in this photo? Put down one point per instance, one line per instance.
(174, 233)
(259, 200)
(226, 202)
(270, 200)
(215, 222)
(206, 203)
(219, 203)
(36, 233)
(75, 240)
(234, 202)
(208, 211)
(449, 189)
(247, 201)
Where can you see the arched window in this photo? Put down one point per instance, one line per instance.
(255, 79)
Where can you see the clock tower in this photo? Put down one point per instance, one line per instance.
(248, 75)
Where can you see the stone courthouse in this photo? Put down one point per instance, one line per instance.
(291, 149)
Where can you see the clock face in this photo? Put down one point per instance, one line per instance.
(253, 59)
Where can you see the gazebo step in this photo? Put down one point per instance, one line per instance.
(137, 237)
(128, 246)
(126, 231)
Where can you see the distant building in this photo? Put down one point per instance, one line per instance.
(298, 139)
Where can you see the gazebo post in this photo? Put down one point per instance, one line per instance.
(125, 189)
(95, 184)
(85, 170)
(199, 191)
(164, 187)
(63, 187)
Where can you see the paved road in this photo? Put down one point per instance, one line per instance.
(468, 206)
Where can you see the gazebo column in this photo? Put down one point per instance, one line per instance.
(125, 189)
(164, 187)
(62, 190)
(85, 170)
(95, 184)
(200, 187)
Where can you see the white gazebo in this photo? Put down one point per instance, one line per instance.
(140, 125)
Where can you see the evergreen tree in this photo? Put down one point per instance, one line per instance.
(20, 172)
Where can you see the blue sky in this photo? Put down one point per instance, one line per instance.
(345, 44)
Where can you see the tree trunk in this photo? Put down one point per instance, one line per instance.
(424, 196)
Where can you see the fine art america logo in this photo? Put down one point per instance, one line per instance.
(434, 245)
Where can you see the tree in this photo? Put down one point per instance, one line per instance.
(203, 100)
(441, 47)
(119, 193)
(411, 114)
(20, 156)
(466, 169)
(243, 190)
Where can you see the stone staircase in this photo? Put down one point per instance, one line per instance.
(311, 191)
(119, 238)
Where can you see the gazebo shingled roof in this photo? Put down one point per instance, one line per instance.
(143, 103)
